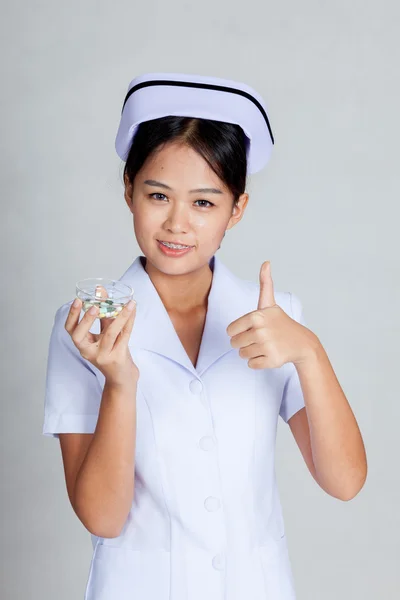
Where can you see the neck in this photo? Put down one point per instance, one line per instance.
(181, 293)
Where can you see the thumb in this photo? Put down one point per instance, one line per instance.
(266, 298)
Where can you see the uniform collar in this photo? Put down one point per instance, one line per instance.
(153, 329)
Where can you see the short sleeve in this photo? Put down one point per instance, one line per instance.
(73, 392)
(292, 396)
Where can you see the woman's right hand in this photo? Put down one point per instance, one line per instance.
(109, 350)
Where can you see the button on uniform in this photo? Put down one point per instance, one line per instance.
(218, 562)
(195, 386)
(212, 504)
(206, 443)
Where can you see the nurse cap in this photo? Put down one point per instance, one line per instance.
(155, 95)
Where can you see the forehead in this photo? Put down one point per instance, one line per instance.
(177, 164)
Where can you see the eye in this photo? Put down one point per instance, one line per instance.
(208, 202)
(156, 194)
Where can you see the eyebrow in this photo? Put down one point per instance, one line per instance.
(155, 183)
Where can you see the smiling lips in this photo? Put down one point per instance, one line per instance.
(175, 245)
(173, 250)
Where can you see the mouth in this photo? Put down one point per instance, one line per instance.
(173, 249)
(175, 245)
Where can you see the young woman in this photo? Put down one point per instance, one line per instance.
(167, 415)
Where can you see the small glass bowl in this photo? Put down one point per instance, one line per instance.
(118, 294)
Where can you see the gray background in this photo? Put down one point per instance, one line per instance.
(324, 211)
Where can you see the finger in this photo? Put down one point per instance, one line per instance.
(252, 351)
(114, 329)
(73, 319)
(73, 315)
(81, 335)
(126, 331)
(266, 297)
(251, 336)
(247, 321)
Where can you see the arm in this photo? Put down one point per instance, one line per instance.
(100, 470)
(326, 430)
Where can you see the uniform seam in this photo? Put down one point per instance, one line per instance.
(162, 486)
(223, 508)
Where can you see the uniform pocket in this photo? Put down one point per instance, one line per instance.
(277, 571)
(120, 573)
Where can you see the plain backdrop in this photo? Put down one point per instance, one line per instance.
(324, 211)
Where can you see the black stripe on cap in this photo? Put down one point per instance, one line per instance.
(207, 86)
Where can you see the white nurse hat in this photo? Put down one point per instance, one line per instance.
(155, 95)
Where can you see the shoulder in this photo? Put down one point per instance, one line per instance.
(61, 312)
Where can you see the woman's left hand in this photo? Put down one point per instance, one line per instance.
(267, 337)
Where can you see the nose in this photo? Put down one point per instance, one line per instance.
(177, 220)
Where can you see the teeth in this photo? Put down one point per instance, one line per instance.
(175, 246)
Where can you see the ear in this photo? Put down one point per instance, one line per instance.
(128, 193)
(238, 210)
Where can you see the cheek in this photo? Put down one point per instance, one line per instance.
(145, 223)
(211, 228)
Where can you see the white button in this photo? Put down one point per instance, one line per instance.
(196, 386)
(206, 443)
(218, 562)
(212, 504)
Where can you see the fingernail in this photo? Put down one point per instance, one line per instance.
(76, 302)
(131, 305)
(93, 310)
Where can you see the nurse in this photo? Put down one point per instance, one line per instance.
(167, 415)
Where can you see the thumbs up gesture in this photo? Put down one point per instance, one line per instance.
(267, 337)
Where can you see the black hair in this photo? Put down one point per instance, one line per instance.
(223, 145)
